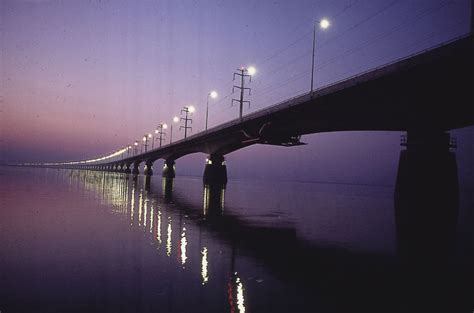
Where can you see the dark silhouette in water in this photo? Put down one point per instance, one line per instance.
(426, 215)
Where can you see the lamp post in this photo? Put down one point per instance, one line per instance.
(160, 132)
(243, 73)
(324, 23)
(175, 120)
(186, 111)
(213, 95)
(145, 140)
(136, 147)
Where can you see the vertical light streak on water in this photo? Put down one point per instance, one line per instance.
(127, 187)
(184, 243)
(240, 295)
(151, 217)
(204, 266)
(205, 206)
(158, 232)
(132, 205)
(140, 208)
(145, 209)
(168, 239)
(222, 199)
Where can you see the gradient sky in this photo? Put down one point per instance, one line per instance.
(83, 78)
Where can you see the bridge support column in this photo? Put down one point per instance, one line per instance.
(148, 168)
(426, 214)
(126, 168)
(135, 169)
(169, 169)
(215, 171)
(426, 194)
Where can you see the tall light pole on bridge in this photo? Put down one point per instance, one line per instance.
(213, 95)
(136, 147)
(186, 111)
(324, 23)
(145, 140)
(175, 120)
(159, 131)
(243, 72)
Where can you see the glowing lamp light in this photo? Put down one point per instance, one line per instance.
(156, 131)
(213, 94)
(165, 126)
(175, 119)
(149, 135)
(191, 109)
(251, 70)
(136, 143)
(324, 23)
(144, 138)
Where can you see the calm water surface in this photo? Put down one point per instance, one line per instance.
(84, 241)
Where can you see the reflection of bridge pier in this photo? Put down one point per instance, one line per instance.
(147, 182)
(213, 200)
(167, 186)
(426, 213)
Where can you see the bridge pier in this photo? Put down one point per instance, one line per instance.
(148, 168)
(426, 195)
(135, 169)
(169, 169)
(426, 215)
(215, 172)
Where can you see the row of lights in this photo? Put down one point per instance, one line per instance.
(323, 24)
(188, 109)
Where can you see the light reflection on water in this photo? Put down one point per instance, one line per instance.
(237, 258)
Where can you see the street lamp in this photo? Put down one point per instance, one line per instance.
(243, 73)
(251, 70)
(136, 147)
(213, 95)
(175, 120)
(324, 23)
(160, 132)
(186, 111)
(145, 140)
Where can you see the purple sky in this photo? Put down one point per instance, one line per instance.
(83, 78)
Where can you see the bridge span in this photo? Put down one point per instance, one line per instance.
(426, 95)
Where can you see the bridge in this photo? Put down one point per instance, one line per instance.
(425, 94)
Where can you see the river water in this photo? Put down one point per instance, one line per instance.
(89, 241)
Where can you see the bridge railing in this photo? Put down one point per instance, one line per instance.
(277, 106)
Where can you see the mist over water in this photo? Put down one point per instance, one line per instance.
(89, 241)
